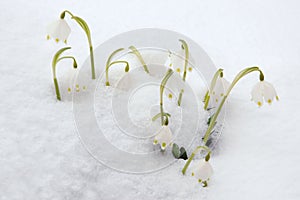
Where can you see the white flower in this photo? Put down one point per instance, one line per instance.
(174, 86)
(59, 30)
(176, 61)
(263, 90)
(202, 170)
(218, 91)
(164, 137)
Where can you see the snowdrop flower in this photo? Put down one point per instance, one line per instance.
(176, 61)
(263, 90)
(174, 86)
(164, 137)
(59, 30)
(202, 171)
(56, 59)
(218, 91)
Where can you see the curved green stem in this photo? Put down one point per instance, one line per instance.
(212, 85)
(112, 63)
(87, 31)
(139, 56)
(109, 61)
(71, 57)
(159, 115)
(234, 82)
(193, 155)
(55, 60)
(162, 87)
(186, 61)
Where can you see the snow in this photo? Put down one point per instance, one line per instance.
(257, 156)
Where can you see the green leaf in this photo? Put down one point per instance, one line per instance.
(57, 54)
(176, 151)
(183, 154)
(83, 25)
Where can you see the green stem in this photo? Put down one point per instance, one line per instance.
(87, 31)
(193, 155)
(212, 85)
(92, 62)
(56, 89)
(112, 63)
(162, 87)
(186, 61)
(109, 61)
(139, 56)
(55, 60)
(159, 115)
(180, 97)
(236, 79)
(71, 57)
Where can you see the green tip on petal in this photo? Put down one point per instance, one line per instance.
(155, 142)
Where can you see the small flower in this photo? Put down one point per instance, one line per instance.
(59, 30)
(263, 90)
(164, 137)
(174, 86)
(176, 62)
(202, 171)
(218, 91)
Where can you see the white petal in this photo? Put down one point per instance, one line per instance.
(257, 93)
(164, 137)
(59, 29)
(218, 91)
(174, 85)
(269, 92)
(176, 60)
(202, 170)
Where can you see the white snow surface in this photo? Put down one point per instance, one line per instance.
(257, 157)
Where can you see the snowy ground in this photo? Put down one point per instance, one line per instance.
(257, 157)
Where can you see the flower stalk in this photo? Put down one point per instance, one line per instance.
(109, 64)
(240, 75)
(185, 47)
(139, 56)
(207, 157)
(55, 60)
(162, 114)
(87, 31)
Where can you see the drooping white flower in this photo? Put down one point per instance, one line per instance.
(218, 91)
(176, 61)
(164, 137)
(263, 90)
(202, 170)
(174, 86)
(59, 30)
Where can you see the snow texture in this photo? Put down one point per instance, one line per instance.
(257, 157)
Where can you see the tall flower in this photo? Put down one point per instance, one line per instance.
(59, 30)
(263, 90)
(202, 171)
(164, 137)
